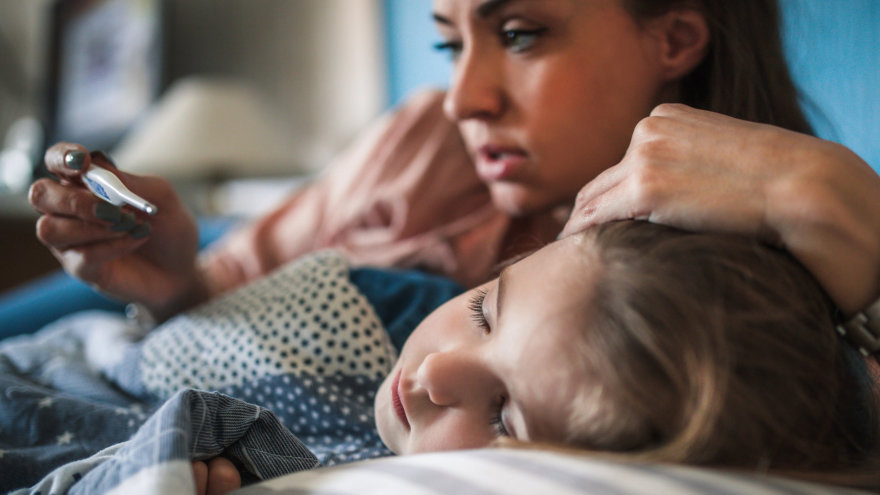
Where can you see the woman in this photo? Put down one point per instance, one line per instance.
(546, 96)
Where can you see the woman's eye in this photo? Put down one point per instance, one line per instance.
(520, 40)
(452, 48)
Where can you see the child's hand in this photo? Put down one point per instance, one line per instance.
(216, 476)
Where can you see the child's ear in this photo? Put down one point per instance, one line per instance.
(682, 40)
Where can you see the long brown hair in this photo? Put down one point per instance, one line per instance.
(712, 349)
(744, 74)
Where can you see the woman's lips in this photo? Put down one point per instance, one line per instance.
(396, 402)
(496, 163)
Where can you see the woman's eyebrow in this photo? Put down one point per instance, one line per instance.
(483, 11)
(439, 19)
(488, 7)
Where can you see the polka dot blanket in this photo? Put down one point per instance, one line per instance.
(303, 342)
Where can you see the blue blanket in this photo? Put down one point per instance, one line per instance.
(93, 403)
(65, 428)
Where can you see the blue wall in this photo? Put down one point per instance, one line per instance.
(833, 48)
(410, 37)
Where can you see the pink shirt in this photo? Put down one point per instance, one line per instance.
(404, 195)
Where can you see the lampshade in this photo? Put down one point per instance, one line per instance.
(209, 128)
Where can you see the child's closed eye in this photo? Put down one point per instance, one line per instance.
(478, 314)
(497, 420)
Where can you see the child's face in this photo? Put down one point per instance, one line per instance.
(481, 367)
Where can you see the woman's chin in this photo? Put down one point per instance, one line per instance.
(518, 200)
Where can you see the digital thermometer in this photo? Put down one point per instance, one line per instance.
(105, 185)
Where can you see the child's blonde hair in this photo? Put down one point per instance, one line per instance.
(711, 349)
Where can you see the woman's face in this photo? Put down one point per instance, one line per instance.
(546, 93)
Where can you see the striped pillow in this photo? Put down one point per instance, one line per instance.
(509, 471)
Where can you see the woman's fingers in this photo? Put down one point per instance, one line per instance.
(678, 166)
(651, 148)
(600, 208)
(86, 261)
(67, 161)
(51, 198)
(586, 205)
(628, 194)
(73, 216)
(704, 171)
(64, 233)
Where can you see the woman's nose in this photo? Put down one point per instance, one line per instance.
(451, 378)
(476, 89)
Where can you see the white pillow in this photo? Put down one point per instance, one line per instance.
(515, 471)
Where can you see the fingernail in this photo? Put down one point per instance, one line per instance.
(141, 231)
(125, 223)
(75, 159)
(108, 212)
(103, 156)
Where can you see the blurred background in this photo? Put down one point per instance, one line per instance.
(237, 101)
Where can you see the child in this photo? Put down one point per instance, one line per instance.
(644, 341)
(692, 348)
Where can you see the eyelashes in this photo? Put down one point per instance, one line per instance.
(475, 305)
(497, 420)
(514, 40)
(521, 40)
(451, 47)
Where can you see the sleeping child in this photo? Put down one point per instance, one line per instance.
(630, 339)
(646, 341)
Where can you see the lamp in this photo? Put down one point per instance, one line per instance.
(209, 128)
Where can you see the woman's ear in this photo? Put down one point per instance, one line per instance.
(682, 38)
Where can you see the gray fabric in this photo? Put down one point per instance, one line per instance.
(191, 425)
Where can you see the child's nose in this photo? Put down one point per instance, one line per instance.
(451, 377)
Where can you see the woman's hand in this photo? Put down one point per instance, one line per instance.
(703, 171)
(216, 476)
(122, 252)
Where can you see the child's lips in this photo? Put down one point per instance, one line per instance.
(397, 402)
